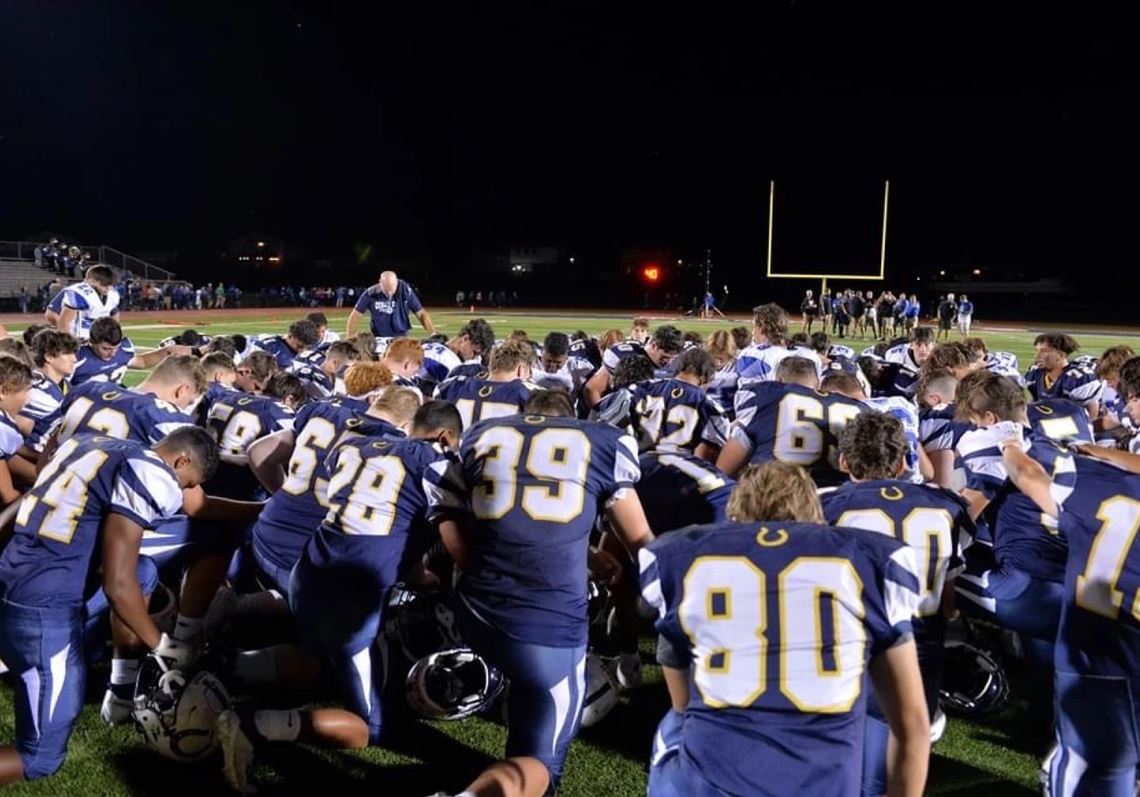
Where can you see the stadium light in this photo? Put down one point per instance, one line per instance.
(977, 272)
(651, 273)
(571, 260)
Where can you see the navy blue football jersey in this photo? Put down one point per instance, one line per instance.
(89, 366)
(238, 419)
(377, 518)
(677, 490)
(619, 351)
(939, 430)
(44, 407)
(1099, 633)
(1078, 383)
(933, 521)
(293, 513)
(534, 487)
(1023, 537)
(781, 621)
(276, 345)
(794, 424)
(1061, 420)
(318, 384)
(313, 358)
(672, 415)
(54, 556)
(478, 399)
(101, 408)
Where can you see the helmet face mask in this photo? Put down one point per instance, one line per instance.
(974, 682)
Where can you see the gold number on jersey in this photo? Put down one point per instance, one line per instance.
(1097, 586)
(819, 600)
(558, 459)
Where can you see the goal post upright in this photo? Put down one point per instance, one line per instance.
(825, 277)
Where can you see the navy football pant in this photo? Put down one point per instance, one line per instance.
(548, 685)
(930, 640)
(44, 649)
(1098, 747)
(342, 625)
(1012, 599)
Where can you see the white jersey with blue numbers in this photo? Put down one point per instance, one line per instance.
(438, 362)
(89, 305)
(10, 438)
(907, 414)
(760, 360)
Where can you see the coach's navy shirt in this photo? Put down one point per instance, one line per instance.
(391, 315)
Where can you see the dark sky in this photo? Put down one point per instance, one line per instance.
(178, 126)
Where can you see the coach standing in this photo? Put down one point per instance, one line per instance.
(390, 303)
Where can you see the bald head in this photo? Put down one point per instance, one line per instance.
(389, 281)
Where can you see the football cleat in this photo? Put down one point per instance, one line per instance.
(237, 752)
(3, 667)
(116, 710)
(937, 726)
(601, 692)
(628, 670)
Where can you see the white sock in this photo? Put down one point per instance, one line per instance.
(257, 666)
(278, 726)
(186, 628)
(124, 671)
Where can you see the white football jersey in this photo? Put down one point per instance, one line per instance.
(89, 305)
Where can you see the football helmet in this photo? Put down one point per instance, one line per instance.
(973, 681)
(601, 692)
(178, 717)
(452, 684)
(420, 623)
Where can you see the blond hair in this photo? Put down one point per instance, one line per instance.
(365, 377)
(397, 404)
(722, 345)
(512, 354)
(611, 337)
(775, 491)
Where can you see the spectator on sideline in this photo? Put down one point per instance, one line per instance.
(390, 303)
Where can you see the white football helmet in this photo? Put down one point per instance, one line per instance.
(177, 718)
(601, 692)
(452, 684)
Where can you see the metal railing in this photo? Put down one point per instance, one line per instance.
(116, 259)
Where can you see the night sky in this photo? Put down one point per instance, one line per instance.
(164, 126)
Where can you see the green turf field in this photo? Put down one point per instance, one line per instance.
(997, 757)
